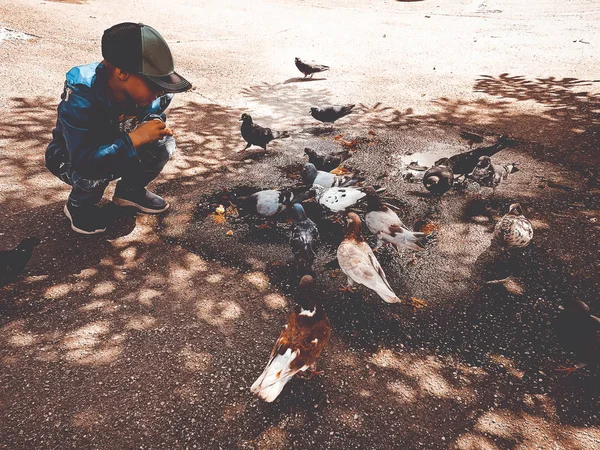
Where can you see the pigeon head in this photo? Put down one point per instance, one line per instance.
(298, 213)
(314, 110)
(306, 299)
(443, 162)
(484, 161)
(309, 173)
(297, 59)
(29, 243)
(353, 226)
(374, 203)
(515, 209)
(246, 118)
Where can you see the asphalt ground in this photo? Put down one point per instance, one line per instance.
(151, 335)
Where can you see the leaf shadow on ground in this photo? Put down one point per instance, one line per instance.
(155, 333)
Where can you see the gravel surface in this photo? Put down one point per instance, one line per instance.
(151, 335)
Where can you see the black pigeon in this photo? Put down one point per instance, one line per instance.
(309, 68)
(254, 134)
(464, 163)
(12, 262)
(326, 162)
(303, 239)
(578, 331)
(311, 176)
(329, 114)
(266, 203)
(439, 179)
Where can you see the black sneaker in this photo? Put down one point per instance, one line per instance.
(85, 219)
(140, 198)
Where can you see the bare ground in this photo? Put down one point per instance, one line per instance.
(150, 336)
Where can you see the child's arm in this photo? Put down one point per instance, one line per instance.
(88, 155)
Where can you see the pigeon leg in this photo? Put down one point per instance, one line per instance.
(314, 372)
(337, 219)
(349, 287)
(246, 147)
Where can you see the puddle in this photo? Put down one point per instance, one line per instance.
(11, 35)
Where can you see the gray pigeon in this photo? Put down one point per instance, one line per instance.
(330, 114)
(312, 176)
(488, 174)
(309, 68)
(266, 203)
(303, 239)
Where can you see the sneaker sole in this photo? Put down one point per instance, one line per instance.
(122, 202)
(79, 230)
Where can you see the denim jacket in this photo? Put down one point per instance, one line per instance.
(93, 130)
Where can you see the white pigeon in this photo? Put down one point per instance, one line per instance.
(358, 262)
(337, 199)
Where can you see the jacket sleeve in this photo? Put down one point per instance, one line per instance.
(89, 156)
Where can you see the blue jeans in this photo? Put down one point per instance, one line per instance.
(152, 159)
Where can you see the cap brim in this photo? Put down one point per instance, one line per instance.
(173, 83)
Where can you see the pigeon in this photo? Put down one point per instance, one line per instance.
(513, 230)
(300, 344)
(309, 68)
(12, 262)
(578, 331)
(330, 114)
(254, 134)
(304, 237)
(358, 262)
(311, 176)
(439, 179)
(464, 163)
(337, 199)
(326, 162)
(266, 203)
(488, 174)
(386, 226)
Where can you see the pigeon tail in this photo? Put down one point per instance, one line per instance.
(275, 376)
(414, 240)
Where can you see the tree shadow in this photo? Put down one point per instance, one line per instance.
(156, 333)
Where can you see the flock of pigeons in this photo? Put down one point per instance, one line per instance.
(308, 329)
(337, 191)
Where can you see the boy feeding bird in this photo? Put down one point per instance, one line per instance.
(111, 125)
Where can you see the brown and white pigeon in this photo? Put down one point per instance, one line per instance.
(513, 230)
(488, 174)
(309, 68)
(13, 262)
(358, 262)
(254, 134)
(385, 224)
(299, 345)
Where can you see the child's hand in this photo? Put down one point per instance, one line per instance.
(150, 131)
